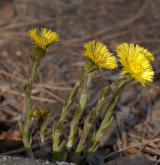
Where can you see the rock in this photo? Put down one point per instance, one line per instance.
(8, 160)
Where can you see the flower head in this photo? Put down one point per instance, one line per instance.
(40, 112)
(136, 62)
(100, 55)
(43, 38)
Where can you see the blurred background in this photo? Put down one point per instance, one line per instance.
(77, 21)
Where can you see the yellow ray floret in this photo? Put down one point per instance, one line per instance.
(100, 55)
(43, 37)
(136, 62)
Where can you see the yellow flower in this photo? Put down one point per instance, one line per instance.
(100, 55)
(40, 112)
(43, 38)
(136, 62)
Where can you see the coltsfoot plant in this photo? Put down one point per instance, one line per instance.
(135, 63)
(41, 40)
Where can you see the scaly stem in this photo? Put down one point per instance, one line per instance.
(69, 101)
(42, 131)
(107, 118)
(26, 137)
(85, 83)
(57, 130)
(90, 119)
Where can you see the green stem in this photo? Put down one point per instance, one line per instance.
(59, 125)
(89, 121)
(26, 137)
(107, 118)
(69, 101)
(85, 82)
(56, 137)
(42, 131)
(27, 104)
(29, 152)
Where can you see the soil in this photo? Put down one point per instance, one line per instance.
(134, 137)
(137, 159)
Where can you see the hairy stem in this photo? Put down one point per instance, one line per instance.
(57, 130)
(85, 83)
(108, 115)
(26, 137)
